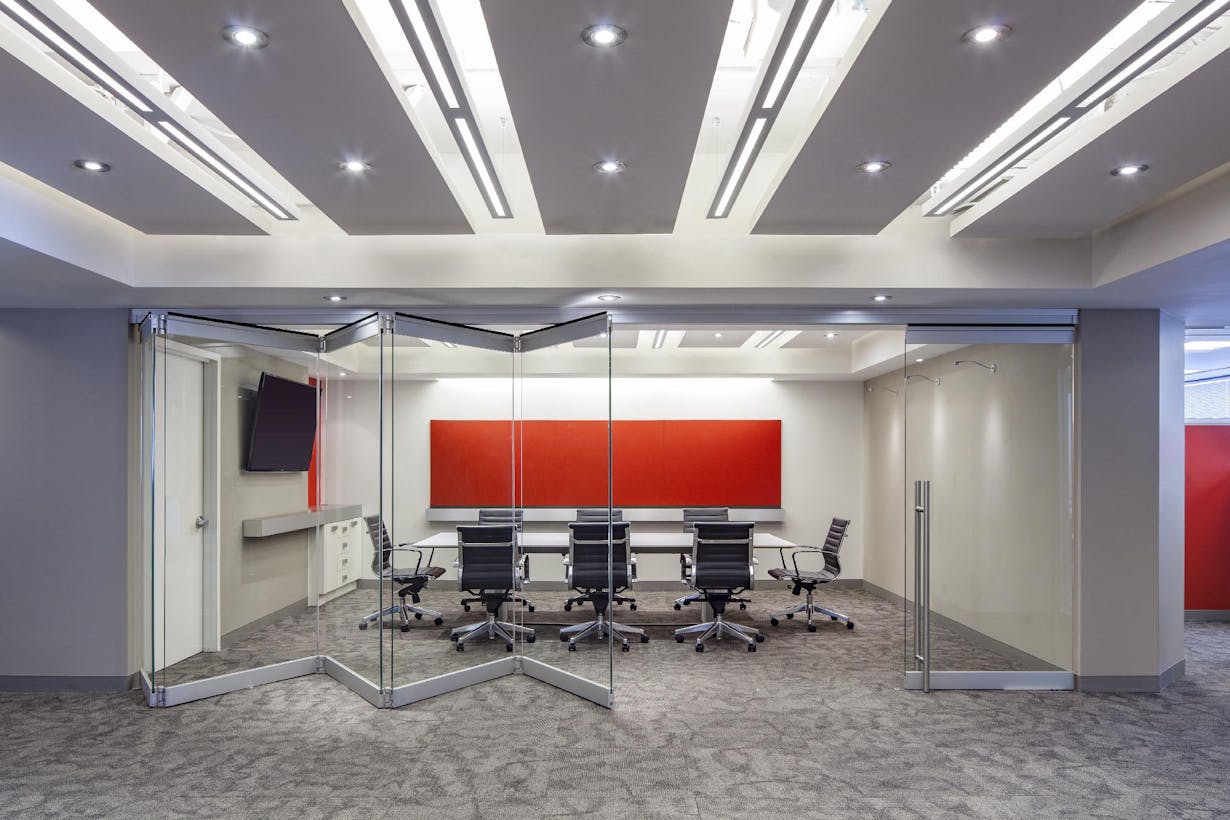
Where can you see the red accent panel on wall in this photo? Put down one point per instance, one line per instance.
(314, 465)
(665, 463)
(1207, 554)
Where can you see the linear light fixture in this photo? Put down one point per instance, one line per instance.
(802, 25)
(659, 338)
(1083, 97)
(422, 31)
(762, 339)
(47, 32)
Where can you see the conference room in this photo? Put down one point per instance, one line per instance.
(413, 506)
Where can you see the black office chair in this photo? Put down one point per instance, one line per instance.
(690, 516)
(721, 566)
(810, 579)
(503, 515)
(598, 514)
(413, 581)
(490, 566)
(587, 572)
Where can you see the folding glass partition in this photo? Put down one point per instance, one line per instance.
(989, 548)
(564, 465)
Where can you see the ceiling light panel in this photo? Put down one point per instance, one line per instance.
(475, 81)
(424, 34)
(1154, 30)
(55, 28)
(801, 26)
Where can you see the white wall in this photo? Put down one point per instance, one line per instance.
(996, 447)
(822, 434)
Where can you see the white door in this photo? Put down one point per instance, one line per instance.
(179, 548)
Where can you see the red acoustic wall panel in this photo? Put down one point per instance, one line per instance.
(1207, 554)
(666, 463)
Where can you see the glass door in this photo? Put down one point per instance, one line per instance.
(579, 562)
(989, 545)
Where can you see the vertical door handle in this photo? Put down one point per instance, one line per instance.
(201, 521)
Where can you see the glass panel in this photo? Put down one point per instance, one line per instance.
(148, 353)
(448, 451)
(575, 588)
(990, 427)
(233, 430)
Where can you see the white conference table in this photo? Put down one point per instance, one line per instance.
(662, 543)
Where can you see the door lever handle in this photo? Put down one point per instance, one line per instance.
(201, 521)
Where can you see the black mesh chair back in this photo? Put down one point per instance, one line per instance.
(502, 516)
(587, 548)
(598, 514)
(722, 555)
(832, 544)
(382, 545)
(486, 556)
(693, 514)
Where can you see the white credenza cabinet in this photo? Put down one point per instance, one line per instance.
(338, 555)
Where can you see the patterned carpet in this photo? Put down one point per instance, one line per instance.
(812, 725)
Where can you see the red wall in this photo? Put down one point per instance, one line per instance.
(1207, 584)
(656, 463)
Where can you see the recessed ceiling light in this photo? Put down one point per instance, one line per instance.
(919, 360)
(246, 36)
(610, 166)
(354, 166)
(603, 35)
(94, 165)
(609, 297)
(830, 335)
(1129, 170)
(717, 335)
(341, 373)
(334, 297)
(880, 297)
(602, 335)
(984, 35)
(874, 166)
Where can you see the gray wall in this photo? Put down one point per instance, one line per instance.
(64, 498)
(1130, 467)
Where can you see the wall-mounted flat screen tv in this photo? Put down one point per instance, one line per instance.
(283, 427)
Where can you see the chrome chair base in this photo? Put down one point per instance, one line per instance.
(718, 627)
(492, 629)
(811, 609)
(696, 596)
(405, 610)
(601, 628)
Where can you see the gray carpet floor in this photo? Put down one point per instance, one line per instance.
(811, 725)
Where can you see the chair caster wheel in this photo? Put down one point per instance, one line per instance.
(452, 638)
(700, 647)
(572, 647)
(832, 617)
(508, 648)
(849, 624)
(563, 637)
(644, 639)
(790, 616)
(531, 638)
(811, 627)
(742, 606)
(405, 627)
(678, 639)
(678, 607)
(439, 621)
(632, 607)
(623, 648)
(567, 607)
(759, 638)
(466, 607)
(774, 621)
(461, 647)
(418, 616)
(363, 625)
(751, 647)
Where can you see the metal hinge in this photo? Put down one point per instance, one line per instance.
(320, 663)
(160, 696)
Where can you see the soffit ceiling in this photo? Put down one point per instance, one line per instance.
(314, 97)
(574, 105)
(920, 97)
(45, 130)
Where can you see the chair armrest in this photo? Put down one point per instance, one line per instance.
(685, 568)
(794, 556)
(418, 564)
(632, 568)
(522, 570)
